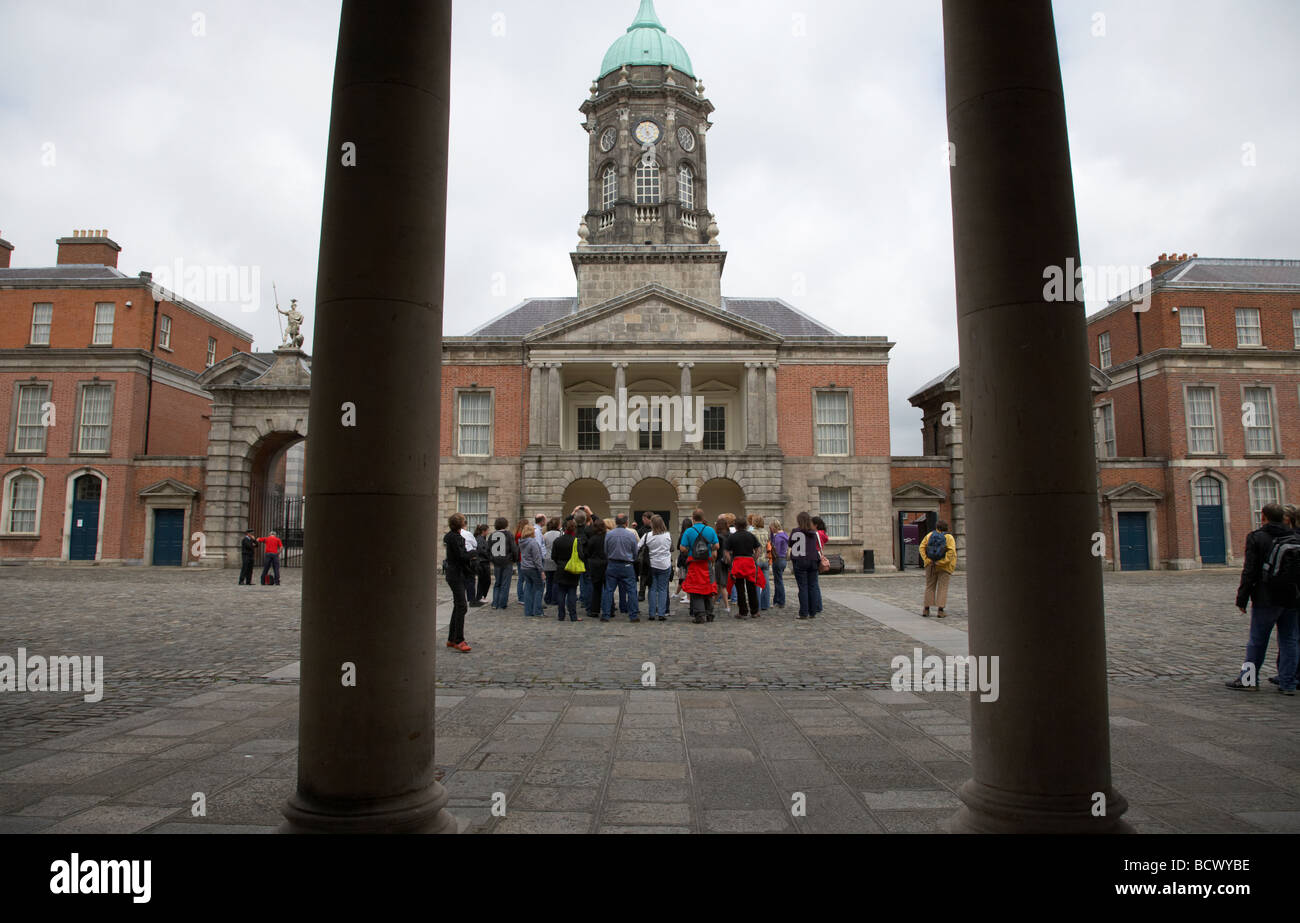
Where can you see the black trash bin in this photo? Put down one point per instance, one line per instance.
(868, 561)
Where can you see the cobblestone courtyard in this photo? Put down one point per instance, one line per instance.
(201, 695)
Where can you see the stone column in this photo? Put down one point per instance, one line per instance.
(755, 424)
(772, 440)
(1042, 748)
(536, 404)
(366, 737)
(620, 384)
(554, 406)
(688, 401)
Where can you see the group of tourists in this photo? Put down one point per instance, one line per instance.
(1270, 583)
(587, 563)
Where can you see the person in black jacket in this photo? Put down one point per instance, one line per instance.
(503, 551)
(482, 567)
(247, 552)
(457, 563)
(566, 584)
(593, 550)
(1264, 610)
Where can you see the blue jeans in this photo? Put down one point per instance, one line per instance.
(810, 593)
(567, 596)
(501, 574)
(549, 596)
(659, 591)
(519, 589)
(778, 593)
(584, 590)
(272, 561)
(765, 594)
(1262, 620)
(620, 574)
(530, 584)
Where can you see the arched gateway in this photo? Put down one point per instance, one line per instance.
(259, 411)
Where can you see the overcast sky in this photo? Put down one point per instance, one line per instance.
(826, 161)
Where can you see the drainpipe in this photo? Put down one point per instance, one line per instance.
(148, 402)
(1142, 416)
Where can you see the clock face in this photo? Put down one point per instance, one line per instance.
(647, 132)
(607, 139)
(685, 139)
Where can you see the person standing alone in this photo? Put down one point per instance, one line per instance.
(457, 564)
(939, 557)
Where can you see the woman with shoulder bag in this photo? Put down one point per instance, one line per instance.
(806, 558)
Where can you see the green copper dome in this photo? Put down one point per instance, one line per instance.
(647, 42)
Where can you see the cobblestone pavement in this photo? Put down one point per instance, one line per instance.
(553, 716)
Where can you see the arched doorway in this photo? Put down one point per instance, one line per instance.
(655, 495)
(586, 492)
(84, 516)
(721, 495)
(275, 499)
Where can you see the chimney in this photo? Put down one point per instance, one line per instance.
(1168, 261)
(85, 248)
(6, 249)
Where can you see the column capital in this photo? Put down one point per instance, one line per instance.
(619, 365)
(686, 365)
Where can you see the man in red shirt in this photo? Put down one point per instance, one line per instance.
(273, 546)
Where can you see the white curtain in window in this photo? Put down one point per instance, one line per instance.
(96, 415)
(22, 504)
(832, 424)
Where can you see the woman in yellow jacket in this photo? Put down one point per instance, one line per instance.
(938, 570)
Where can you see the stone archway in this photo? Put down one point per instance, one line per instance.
(588, 492)
(655, 495)
(721, 495)
(259, 410)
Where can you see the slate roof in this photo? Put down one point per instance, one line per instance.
(772, 313)
(61, 273)
(1236, 272)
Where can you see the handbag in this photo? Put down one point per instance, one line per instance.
(823, 565)
(575, 565)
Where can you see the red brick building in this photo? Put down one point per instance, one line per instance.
(1196, 391)
(105, 425)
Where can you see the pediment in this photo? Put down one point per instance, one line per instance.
(233, 370)
(169, 487)
(1133, 491)
(652, 314)
(918, 490)
(586, 387)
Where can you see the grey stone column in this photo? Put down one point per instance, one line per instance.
(1041, 750)
(620, 383)
(957, 499)
(536, 403)
(755, 425)
(688, 400)
(366, 749)
(772, 410)
(554, 406)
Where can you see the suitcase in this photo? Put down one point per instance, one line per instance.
(266, 579)
(836, 562)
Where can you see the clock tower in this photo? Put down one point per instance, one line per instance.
(647, 122)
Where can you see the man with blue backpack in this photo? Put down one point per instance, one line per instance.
(700, 543)
(939, 557)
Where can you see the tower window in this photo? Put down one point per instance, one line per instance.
(608, 188)
(686, 188)
(647, 183)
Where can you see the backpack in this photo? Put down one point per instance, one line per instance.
(937, 547)
(575, 565)
(1281, 573)
(700, 549)
(499, 544)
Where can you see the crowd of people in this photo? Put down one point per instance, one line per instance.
(585, 563)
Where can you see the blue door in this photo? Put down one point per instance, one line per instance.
(85, 518)
(169, 538)
(1133, 553)
(1210, 541)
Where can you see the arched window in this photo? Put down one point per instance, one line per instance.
(608, 188)
(22, 503)
(1264, 490)
(686, 187)
(647, 183)
(1209, 492)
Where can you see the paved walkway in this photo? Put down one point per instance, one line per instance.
(777, 725)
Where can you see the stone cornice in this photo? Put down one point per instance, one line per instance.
(662, 253)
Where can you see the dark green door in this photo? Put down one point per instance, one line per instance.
(85, 518)
(169, 538)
